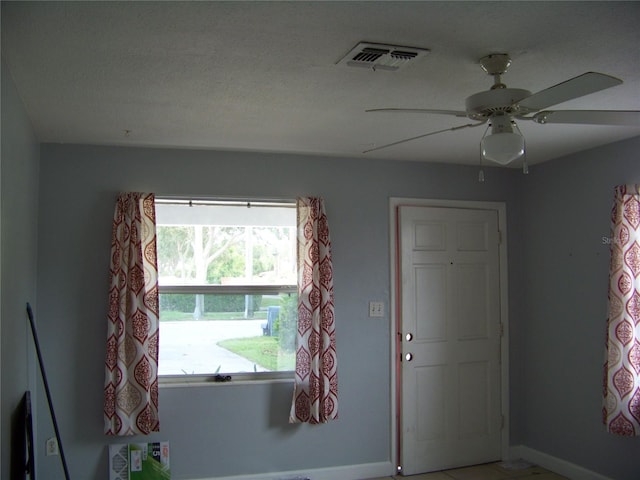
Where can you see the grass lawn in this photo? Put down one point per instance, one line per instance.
(264, 350)
(173, 316)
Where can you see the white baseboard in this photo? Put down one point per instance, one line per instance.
(382, 469)
(349, 472)
(563, 467)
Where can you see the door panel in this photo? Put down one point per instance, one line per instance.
(430, 236)
(471, 291)
(472, 237)
(430, 390)
(450, 384)
(430, 292)
(474, 399)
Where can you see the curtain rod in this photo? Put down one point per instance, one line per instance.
(225, 202)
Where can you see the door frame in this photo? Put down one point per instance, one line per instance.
(501, 209)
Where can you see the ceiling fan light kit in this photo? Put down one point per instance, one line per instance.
(503, 146)
(501, 106)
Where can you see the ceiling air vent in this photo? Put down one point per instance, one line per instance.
(380, 56)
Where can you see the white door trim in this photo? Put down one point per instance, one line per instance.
(501, 209)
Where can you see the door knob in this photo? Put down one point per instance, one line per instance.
(409, 337)
(408, 357)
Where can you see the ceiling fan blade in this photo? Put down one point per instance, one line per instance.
(579, 86)
(424, 135)
(590, 117)
(455, 113)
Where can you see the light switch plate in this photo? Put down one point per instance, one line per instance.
(376, 309)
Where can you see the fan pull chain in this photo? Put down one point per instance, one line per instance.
(525, 165)
(481, 172)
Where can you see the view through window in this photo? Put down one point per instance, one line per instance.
(227, 280)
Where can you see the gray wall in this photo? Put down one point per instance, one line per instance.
(19, 194)
(227, 430)
(557, 283)
(567, 208)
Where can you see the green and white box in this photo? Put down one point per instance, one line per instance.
(139, 461)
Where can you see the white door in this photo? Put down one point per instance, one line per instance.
(450, 338)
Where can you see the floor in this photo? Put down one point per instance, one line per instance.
(490, 471)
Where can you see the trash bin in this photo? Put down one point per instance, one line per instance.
(272, 316)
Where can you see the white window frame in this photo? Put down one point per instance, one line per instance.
(199, 379)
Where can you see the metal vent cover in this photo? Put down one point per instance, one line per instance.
(381, 56)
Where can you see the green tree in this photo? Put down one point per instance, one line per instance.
(175, 251)
(229, 264)
(206, 254)
(187, 252)
(288, 323)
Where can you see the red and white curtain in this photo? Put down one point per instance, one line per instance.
(131, 366)
(621, 389)
(315, 396)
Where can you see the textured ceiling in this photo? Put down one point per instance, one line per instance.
(263, 76)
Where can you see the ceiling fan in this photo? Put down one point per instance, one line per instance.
(500, 107)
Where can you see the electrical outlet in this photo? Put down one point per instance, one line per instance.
(376, 309)
(51, 447)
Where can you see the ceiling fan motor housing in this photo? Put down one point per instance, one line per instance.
(483, 105)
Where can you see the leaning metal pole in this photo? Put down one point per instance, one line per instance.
(46, 389)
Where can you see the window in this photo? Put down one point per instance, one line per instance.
(227, 280)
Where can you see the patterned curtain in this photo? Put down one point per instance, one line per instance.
(131, 367)
(621, 410)
(315, 396)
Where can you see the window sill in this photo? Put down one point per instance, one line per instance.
(186, 381)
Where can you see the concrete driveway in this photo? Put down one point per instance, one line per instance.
(189, 347)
